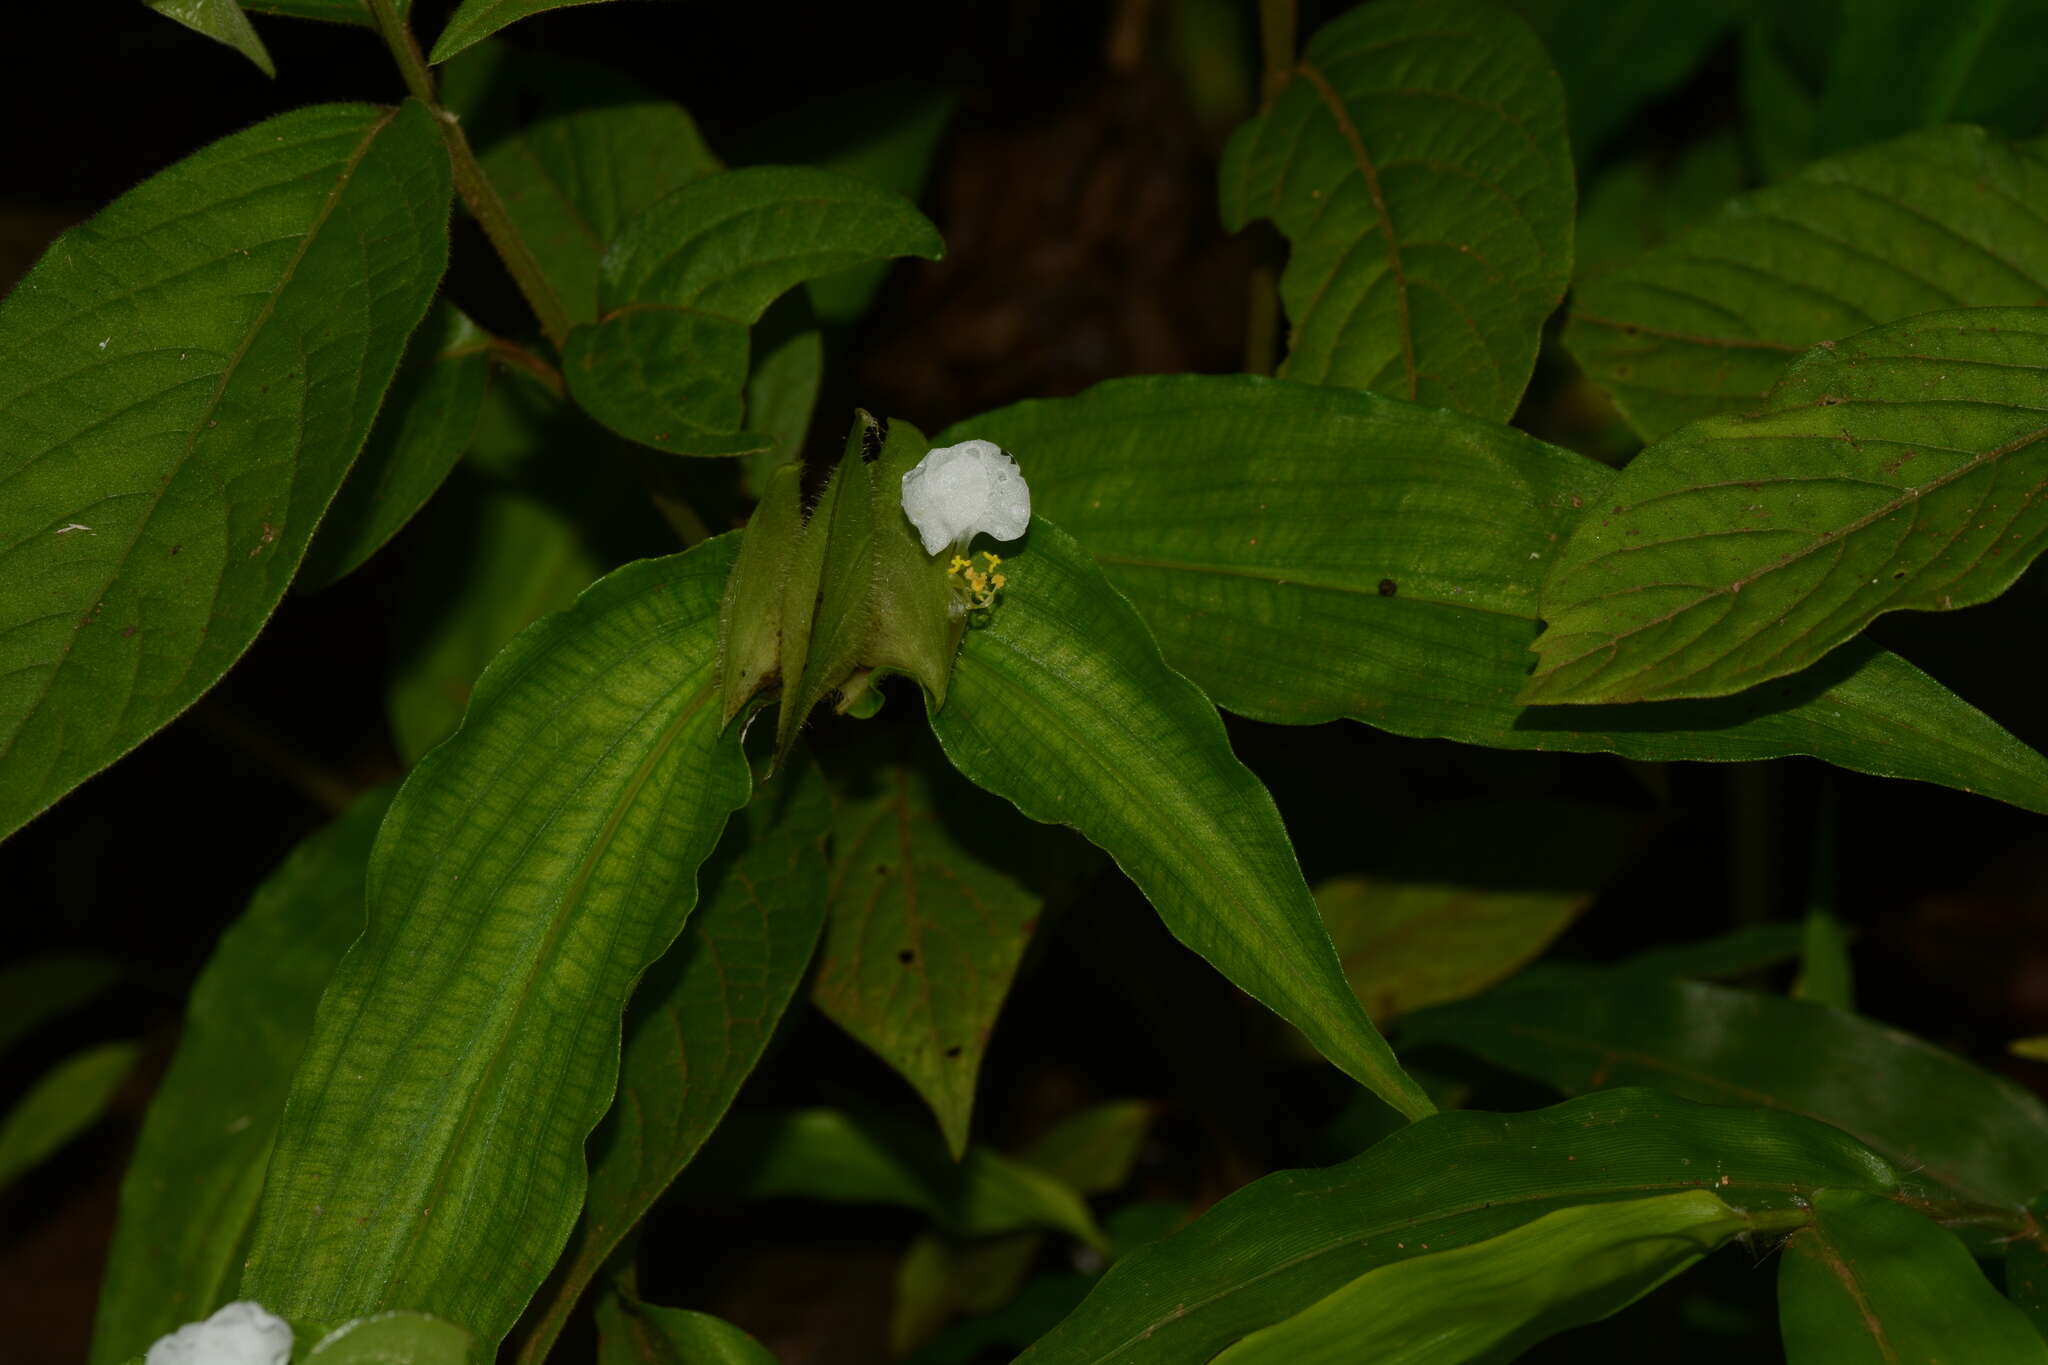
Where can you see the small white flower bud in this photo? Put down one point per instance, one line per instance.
(958, 492)
(239, 1334)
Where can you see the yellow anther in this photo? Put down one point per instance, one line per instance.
(992, 558)
(960, 564)
(998, 580)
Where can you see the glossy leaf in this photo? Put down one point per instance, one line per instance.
(1417, 162)
(1304, 554)
(39, 989)
(684, 281)
(184, 381)
(1492, 1300)
(427, 422)
(1950, 218)
(1451, 1180)
(1871, 1281)
(395, 1339)
(525, 560)
(933, 898)
(1893, 471)
(69, 1098)
(476, 20)
(700, 1021)
(630, 1332)
(826, 1154)
(1447, 920)
(188, 1202)
(1062, 705)
(432, 1153)
(221, 20)
(1898, 65)
(598, 154)
(1933, 1112)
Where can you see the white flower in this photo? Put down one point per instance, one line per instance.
(958, 492)
(239, 1334)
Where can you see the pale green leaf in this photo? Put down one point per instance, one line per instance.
(426, 423)
(69, 1098)
(529, 871)
(1871, 1283)
(1705, 324)
(700, 1021)
(684, 281)
(1417, 162)
(1897, 470)
(1062, 705)
(1304, 554)
(221, 20)
(188, 1202)
(1451, 1180)
(1492, 1300)
(399, 1338)
(184, 380)
(630, 1332)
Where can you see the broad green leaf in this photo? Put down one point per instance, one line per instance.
(1493, 1300)
(1062, 705)
(1304, 554)
(825, 1154)
(1416, 161)
(1614, 56)
(221, 20)
(395, 1339)
(1870, 1281)
(750, 625)
(188, 1202)
(1932, 1112)
(529, 871)
(476, 20)
(69, 1098)
(427, 421)
(1898, 65)
(1779, 107)
(184, 380)
(590, 152)
(684, 281)
(1418, 934)
(933, 898)
(39, 989)
(1892, 471)
(1650, 199)
(1451, 1180)
(2026, 1272)
(1950, 218)
(699, 1022)
(893, 140)
(630, 1332)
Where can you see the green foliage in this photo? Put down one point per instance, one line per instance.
(630, 1332)
(62, 1104)
(180, 397)
(188, 1204)
(1893, 470)
(221, 20)
(1416, 160)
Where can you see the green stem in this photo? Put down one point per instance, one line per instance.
(478, 194)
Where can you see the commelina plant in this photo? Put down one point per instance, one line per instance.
(466, 1038)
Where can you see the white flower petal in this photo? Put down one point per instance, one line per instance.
(239, 1334)
(959, 492)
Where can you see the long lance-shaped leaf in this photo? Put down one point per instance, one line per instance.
(1495, 1299)
(529, 871)
(1870, 1283)
(221, 20)
(1417, 162)
(1062, 705)
(1452, 1180)
(630, 1332)
(188, 1203)
(1950, 218)
(476, 20)
(183, 383)
(1304, 554)
(666, 363)
(1978, 1134)
(699, 1023)
(1902, 469)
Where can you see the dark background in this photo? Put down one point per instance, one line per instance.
(1075, 190)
